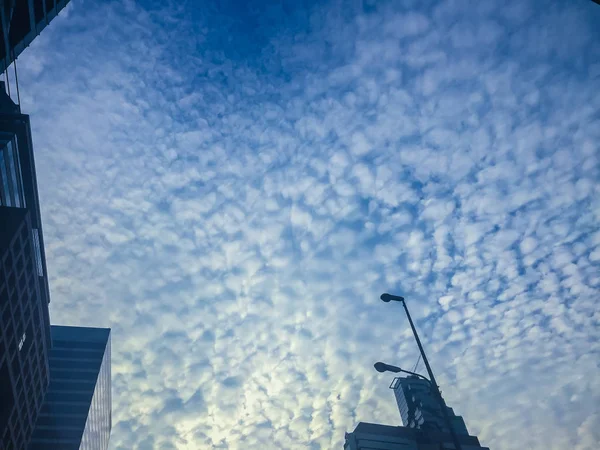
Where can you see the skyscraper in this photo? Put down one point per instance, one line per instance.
(419, 409)
(24, 292)
(20, 22)
(76, 413)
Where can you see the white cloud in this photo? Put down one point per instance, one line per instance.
(234, 208)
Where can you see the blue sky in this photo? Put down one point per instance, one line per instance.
(230, 186)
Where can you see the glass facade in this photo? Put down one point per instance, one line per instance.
(25, 19)
(24, 292)
(98, 424)
(420, 410)
(11, 179)
(76, 413)
(23, 328)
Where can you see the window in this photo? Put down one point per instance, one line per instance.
(38, 253)
(49, 5)
(57, 409)
(6, 393)
(13, 167)
(5, 197)
(19, 24)
(22, 341)
(38, 7)
(11, 179)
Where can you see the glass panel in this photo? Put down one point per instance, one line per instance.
(74, 364)
(38, 253)
(78, 354)
(11, 179)
(98, 425)
(68, 374)
(19, 173)
(7, 395)
(61, 420)
(64, 434)
(65, 409)
(68, 397)
(5, 199)
(58, 343)
(79, 392)
(73, 385)
(38, 7)
(13, 167)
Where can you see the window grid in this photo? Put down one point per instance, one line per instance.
(19, 298)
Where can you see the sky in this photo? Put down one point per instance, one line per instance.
(231, 185)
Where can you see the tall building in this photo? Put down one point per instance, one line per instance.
(76, 413)
(24, 292)
(424, 427)
(57, 398)
(21, 21)
(371, 436)
(419, 409)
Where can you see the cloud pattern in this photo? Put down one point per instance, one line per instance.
(230, 188)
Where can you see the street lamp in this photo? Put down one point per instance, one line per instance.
(382, 367)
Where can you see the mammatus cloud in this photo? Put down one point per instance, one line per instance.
(231, 191)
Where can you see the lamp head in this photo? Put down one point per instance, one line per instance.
(383, 367)
(389, 297)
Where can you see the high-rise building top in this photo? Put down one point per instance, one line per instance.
(419, 408)
(371, 436)
(76, 413)
(425, 427)
(21, 21)
(24, 293)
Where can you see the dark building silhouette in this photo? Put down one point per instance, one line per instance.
(24, 293)
(76, 413)
(419, 409)
(424, 425)
(21, 21)
(370, 436)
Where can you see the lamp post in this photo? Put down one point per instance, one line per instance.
(434, 386)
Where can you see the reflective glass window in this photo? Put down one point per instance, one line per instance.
(5, 198)
(11, 183)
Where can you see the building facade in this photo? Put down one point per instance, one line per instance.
(24, 293)
(424, 427)
(370, 436)
(419, 409)
(76, 414)
(20, 22)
